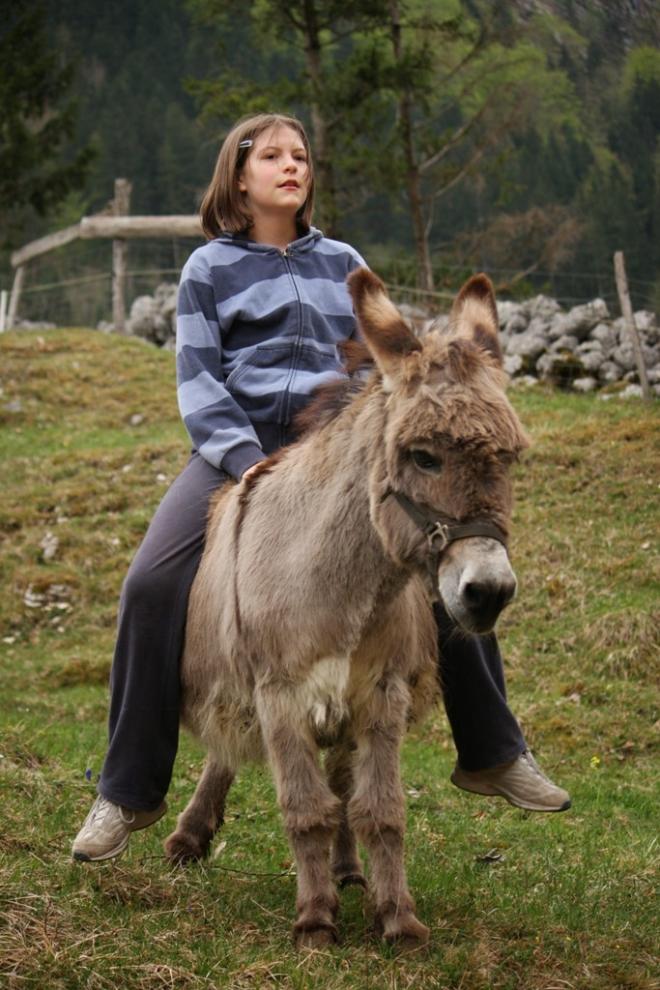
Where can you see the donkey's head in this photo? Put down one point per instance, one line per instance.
(441, 493)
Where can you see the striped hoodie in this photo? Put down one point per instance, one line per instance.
(257, 331)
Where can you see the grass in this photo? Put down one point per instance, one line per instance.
(89, 439)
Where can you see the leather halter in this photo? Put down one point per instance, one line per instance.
(441, 531)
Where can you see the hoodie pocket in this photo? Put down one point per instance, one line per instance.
(263, 375)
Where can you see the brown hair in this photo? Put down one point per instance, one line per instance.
(223, 206)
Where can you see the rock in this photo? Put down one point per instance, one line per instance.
(609, 372)
(517, 324)
(527, 345)
(524, 381)
(408, 312)
(589, 345)
(145, 320)
(136, 419)
(619, 327)
(592, 361)
(561, 368)
(508, 310)
(437, 323)
(580, 320)
(624, 356)
(49, 546)
(605, 335)
(13, 406)
(585, 384)
(539, 326)
(564, 343)
(591, 355)
(513, 363)
(416, 317)
(34, 325)
(542, 308)
(105, 327)
(631, 392)
(646, 321)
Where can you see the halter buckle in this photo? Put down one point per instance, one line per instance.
(438, 532)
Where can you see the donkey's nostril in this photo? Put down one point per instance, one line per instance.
(475, 594)
(488, 597)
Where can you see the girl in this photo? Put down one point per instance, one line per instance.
(262, 308)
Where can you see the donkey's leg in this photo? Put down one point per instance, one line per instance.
(311, 814)
(377, 813)
(202, 817)
(346, 865)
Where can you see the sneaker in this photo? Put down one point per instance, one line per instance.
(107, 829)
(522, 783)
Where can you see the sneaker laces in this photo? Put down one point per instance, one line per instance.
(102, 807)
(533, 765)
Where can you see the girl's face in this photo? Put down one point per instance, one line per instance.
(275, 177)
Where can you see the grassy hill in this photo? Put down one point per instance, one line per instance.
(89, 439)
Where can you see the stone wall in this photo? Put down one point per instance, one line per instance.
(584, 348)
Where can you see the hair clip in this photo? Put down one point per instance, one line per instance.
(245, 144)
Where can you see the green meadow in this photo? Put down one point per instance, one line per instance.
(89, 439)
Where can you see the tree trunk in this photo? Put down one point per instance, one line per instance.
(413, 176)
(327, 197)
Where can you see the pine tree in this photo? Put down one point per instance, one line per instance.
(38, 119)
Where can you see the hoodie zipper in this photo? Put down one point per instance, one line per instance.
(297, 347)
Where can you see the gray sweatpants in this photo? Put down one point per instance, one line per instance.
(144, 682)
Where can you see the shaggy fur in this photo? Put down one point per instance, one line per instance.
(309, 623)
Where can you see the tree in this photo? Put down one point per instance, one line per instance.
(37, 119)
(304, 63)
(466, 79)
(402, 94)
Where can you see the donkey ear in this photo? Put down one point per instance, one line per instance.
(386, 334)
(474, 314)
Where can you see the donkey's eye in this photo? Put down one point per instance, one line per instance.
(425, 461)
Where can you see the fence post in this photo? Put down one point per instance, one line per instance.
(627, 310)
(17, 285)
(3, 310)
(120, 207)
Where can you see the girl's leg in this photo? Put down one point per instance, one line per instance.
(493, 758)
(144, 707)
(472, 676)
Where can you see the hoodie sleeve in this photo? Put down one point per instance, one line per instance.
(219, 429)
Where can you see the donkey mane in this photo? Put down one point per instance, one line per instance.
(328, 403)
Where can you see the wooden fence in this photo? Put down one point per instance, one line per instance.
(113, 223)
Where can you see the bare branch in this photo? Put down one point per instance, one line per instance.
(455, 139)
(476, 157)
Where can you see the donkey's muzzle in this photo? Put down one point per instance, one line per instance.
(484, 600)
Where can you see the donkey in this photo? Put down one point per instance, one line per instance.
(310, 623)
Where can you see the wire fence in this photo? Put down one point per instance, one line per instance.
(51, 294)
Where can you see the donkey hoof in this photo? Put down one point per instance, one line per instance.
(182, 848)
(315, 938)
(352, 880)
(404, 932)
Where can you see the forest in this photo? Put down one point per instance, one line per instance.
(522, 138)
